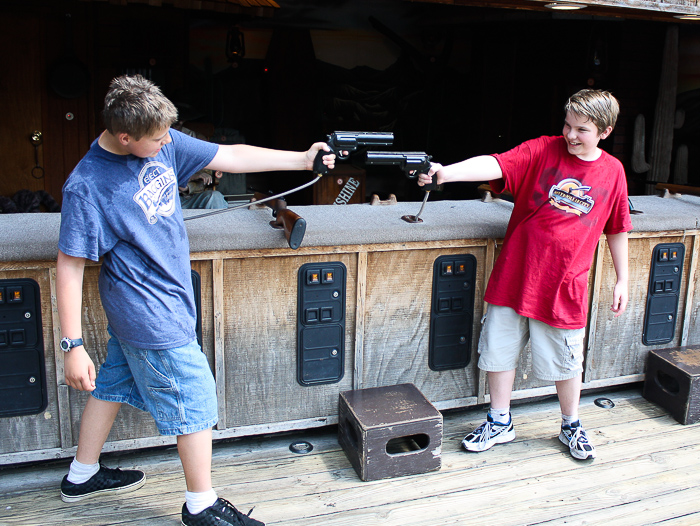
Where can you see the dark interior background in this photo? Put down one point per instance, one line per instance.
(452, 81)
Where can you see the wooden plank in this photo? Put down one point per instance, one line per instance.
(219, 339)
(397, 324)
(260, 317)
(647, 472)
(594, 303)
(358, 361)
(489, 262)
(689, 303)
(62, 390)
(340, 249)
(42, 430)
(625, 332)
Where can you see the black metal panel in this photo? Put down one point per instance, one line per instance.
(321, 323)
(452, 312)
(22, 367)
(663, 294)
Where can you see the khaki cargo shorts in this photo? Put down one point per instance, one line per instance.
(557, 354)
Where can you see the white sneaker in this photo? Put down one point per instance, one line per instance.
(488, 434)
(576, 438)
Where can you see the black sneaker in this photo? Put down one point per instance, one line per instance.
(221, 513)
(106, 480)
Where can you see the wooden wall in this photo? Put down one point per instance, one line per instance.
(249, 317)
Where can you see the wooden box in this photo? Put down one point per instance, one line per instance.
(389, 431)
(673, 382)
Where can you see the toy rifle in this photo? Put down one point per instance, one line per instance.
(412, 164)
(350, 141)
(293, 224)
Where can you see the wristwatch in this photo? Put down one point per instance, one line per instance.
(67, 344)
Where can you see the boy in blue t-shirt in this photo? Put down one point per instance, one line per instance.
(121, 204)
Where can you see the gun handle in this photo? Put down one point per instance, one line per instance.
(319, 167)
(430, 186)
(294, 227)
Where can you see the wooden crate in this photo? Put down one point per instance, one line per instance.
(389, 431)
(673, 382)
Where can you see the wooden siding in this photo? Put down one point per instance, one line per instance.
(249, 317)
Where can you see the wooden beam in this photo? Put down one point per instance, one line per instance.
(629, 9)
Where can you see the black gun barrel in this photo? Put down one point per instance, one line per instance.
(350, 141)
(403, 159)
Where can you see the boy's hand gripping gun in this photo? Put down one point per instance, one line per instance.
(343, 143)
(412, 163)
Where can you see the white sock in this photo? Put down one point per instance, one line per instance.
(198, 502)
(80, 472)
(502, 416)
(567, 420)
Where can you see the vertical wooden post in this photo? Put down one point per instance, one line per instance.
(357, 380)
(62, 390)
(488, 268)
(219, 357)
(595, 301)
(690, 291)
(665, 113)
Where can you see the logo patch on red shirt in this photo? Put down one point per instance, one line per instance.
(570, 196)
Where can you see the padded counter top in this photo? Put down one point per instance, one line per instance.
(34, 237)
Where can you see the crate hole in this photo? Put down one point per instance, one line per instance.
(351, 435)
(668, 383)
(407, 444)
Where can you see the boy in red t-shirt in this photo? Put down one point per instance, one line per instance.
(567, 192)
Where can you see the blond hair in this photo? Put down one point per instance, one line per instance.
(598, 106)
(136, 106)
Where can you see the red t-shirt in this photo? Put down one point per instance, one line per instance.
(562, 205)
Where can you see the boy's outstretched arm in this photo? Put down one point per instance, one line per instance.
(79, 369)
(619, 252)
(244, 158)
(480, 168)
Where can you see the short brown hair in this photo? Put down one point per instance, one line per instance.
(599, 106)
(136, 106)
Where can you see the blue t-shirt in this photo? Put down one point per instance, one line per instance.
(126, 210)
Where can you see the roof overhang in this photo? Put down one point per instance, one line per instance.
(665, 10)
(264, 8)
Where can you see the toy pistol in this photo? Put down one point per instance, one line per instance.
(412, 163)
(350, 141)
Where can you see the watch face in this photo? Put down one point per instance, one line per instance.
(65, 344)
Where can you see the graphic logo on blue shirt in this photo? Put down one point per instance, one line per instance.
(158, 191)
(570, 196)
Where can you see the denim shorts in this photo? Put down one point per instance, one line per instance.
(175, 385)
(557, 354)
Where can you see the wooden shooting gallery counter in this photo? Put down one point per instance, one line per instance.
(249, 304)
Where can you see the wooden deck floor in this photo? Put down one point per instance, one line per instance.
(647, 472)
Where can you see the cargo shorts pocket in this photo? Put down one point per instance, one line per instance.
(573, 348)
(162, 389)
